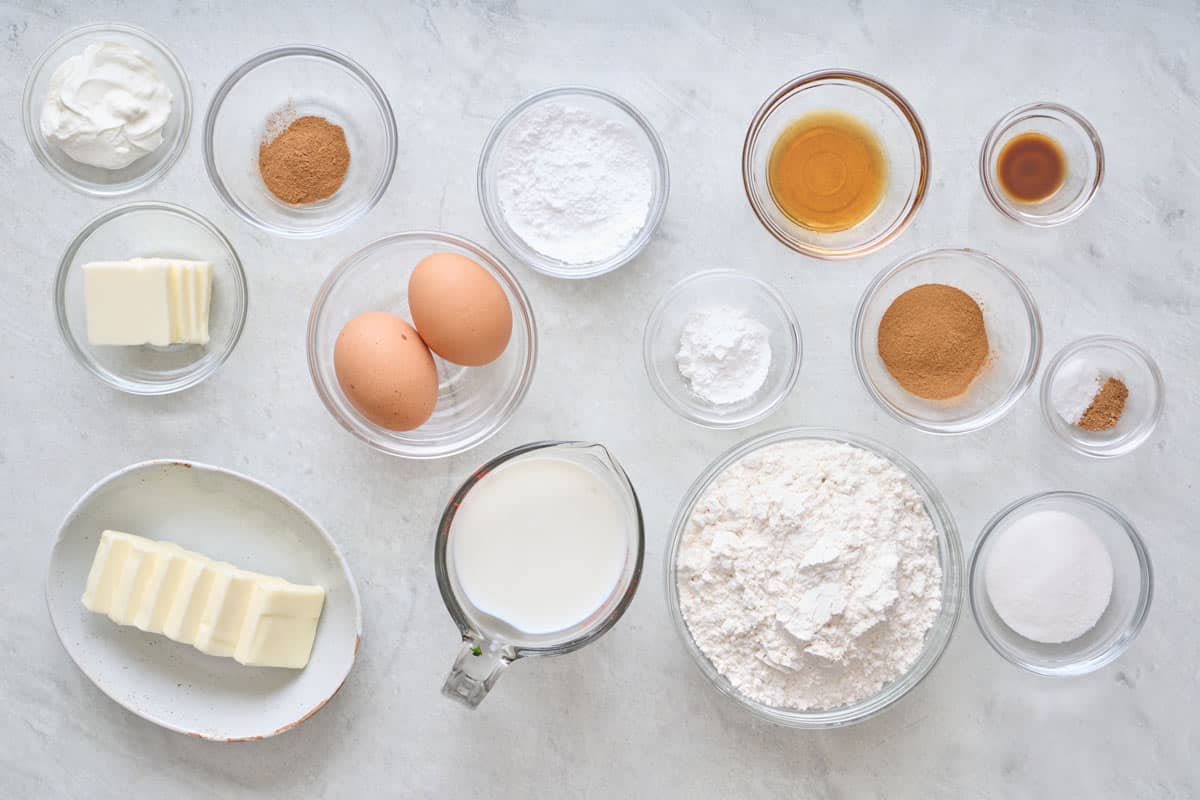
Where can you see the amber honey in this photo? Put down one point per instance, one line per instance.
(1031, 167)
(827, 171)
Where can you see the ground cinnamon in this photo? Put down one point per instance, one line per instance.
(1107, 407)
(933, 341)
(305, 163)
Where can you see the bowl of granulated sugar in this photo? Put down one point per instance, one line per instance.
(573, 181)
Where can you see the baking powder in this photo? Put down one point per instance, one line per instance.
(574, 184)
(809, 575)
(724, 354)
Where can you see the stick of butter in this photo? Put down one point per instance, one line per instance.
(258, 620)
(157, 301)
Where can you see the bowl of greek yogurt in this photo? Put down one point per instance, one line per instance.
(107, 109)
(573, 181)
(814, 576)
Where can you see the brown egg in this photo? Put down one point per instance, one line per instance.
(460, 309)
(386, 371)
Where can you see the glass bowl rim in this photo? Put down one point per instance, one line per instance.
(1119, 343)
(536, 261)
(881, 91)
(995, 195)
(940, 632)
(997, 410)
(65, 263)
(321, 54)
(1145, 592)
(33, 136)
(523, 311)
(793, 327)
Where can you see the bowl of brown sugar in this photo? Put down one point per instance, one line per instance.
(947, 340)
(300, 141)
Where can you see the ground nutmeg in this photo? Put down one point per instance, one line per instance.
(933, 341)
(306, 162)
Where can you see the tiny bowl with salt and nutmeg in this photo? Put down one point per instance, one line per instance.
(1009, 356)
(295, 83)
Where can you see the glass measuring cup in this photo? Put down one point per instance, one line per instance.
(490, 644)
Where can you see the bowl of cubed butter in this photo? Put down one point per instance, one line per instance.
(151, 298)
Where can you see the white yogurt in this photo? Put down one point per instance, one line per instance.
(539, 543)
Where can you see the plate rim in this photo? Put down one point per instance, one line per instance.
(189, 464)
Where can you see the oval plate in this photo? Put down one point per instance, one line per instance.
(225, 516)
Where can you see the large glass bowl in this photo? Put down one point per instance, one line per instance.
(473, 402)
(949, 553)
(299, 80)
(1014, 331)
(152, 230)
(883, 110)
(96, 180)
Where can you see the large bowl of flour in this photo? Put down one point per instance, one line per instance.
(815, 576)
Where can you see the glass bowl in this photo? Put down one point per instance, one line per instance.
(152, 229)
(85, 178)
(594, 100)
(721, 287)
(1143, 409)
(1127, 609)
(883, 110)
(1080, 144)
(938, 636)
(300, 80)
(1014, 332)
(473, 402)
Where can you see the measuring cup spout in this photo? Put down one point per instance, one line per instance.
(475, 671)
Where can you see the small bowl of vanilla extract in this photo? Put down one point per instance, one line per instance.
(1041, 164)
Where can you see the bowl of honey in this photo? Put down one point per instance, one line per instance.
(835, 164)
(1041, 164)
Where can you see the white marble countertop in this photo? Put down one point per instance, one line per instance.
(630, 715)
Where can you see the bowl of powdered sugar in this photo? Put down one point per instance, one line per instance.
(814, 576)
(573, 181)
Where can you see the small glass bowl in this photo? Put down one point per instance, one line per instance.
(1143, 409)
(152, 229)
(1014, 332)
(1080, 144)
(1131, 592)
(489, 201)
(85, 178)
(299, 80)
(473, 402)
(936, 639)
(721, 287)
(883, 110)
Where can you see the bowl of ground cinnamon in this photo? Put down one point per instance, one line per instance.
(947, 340)
(300, 141)
(1102, 396)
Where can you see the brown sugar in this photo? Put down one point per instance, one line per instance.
(933, 341)
(305, 163)
(1107, 407)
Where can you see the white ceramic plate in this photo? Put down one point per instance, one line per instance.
(225, 516)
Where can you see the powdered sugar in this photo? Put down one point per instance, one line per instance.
(724, 354)
(574, 184)
(808, 574)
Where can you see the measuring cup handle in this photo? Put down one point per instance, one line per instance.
(478, 665)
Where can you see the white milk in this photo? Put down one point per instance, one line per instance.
(539, 543)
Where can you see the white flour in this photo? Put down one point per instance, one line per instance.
(724, 354)
(575, 185)
(808, 574)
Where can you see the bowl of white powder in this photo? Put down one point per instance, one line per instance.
(573, 181)
(815, 576)
(722, 349)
